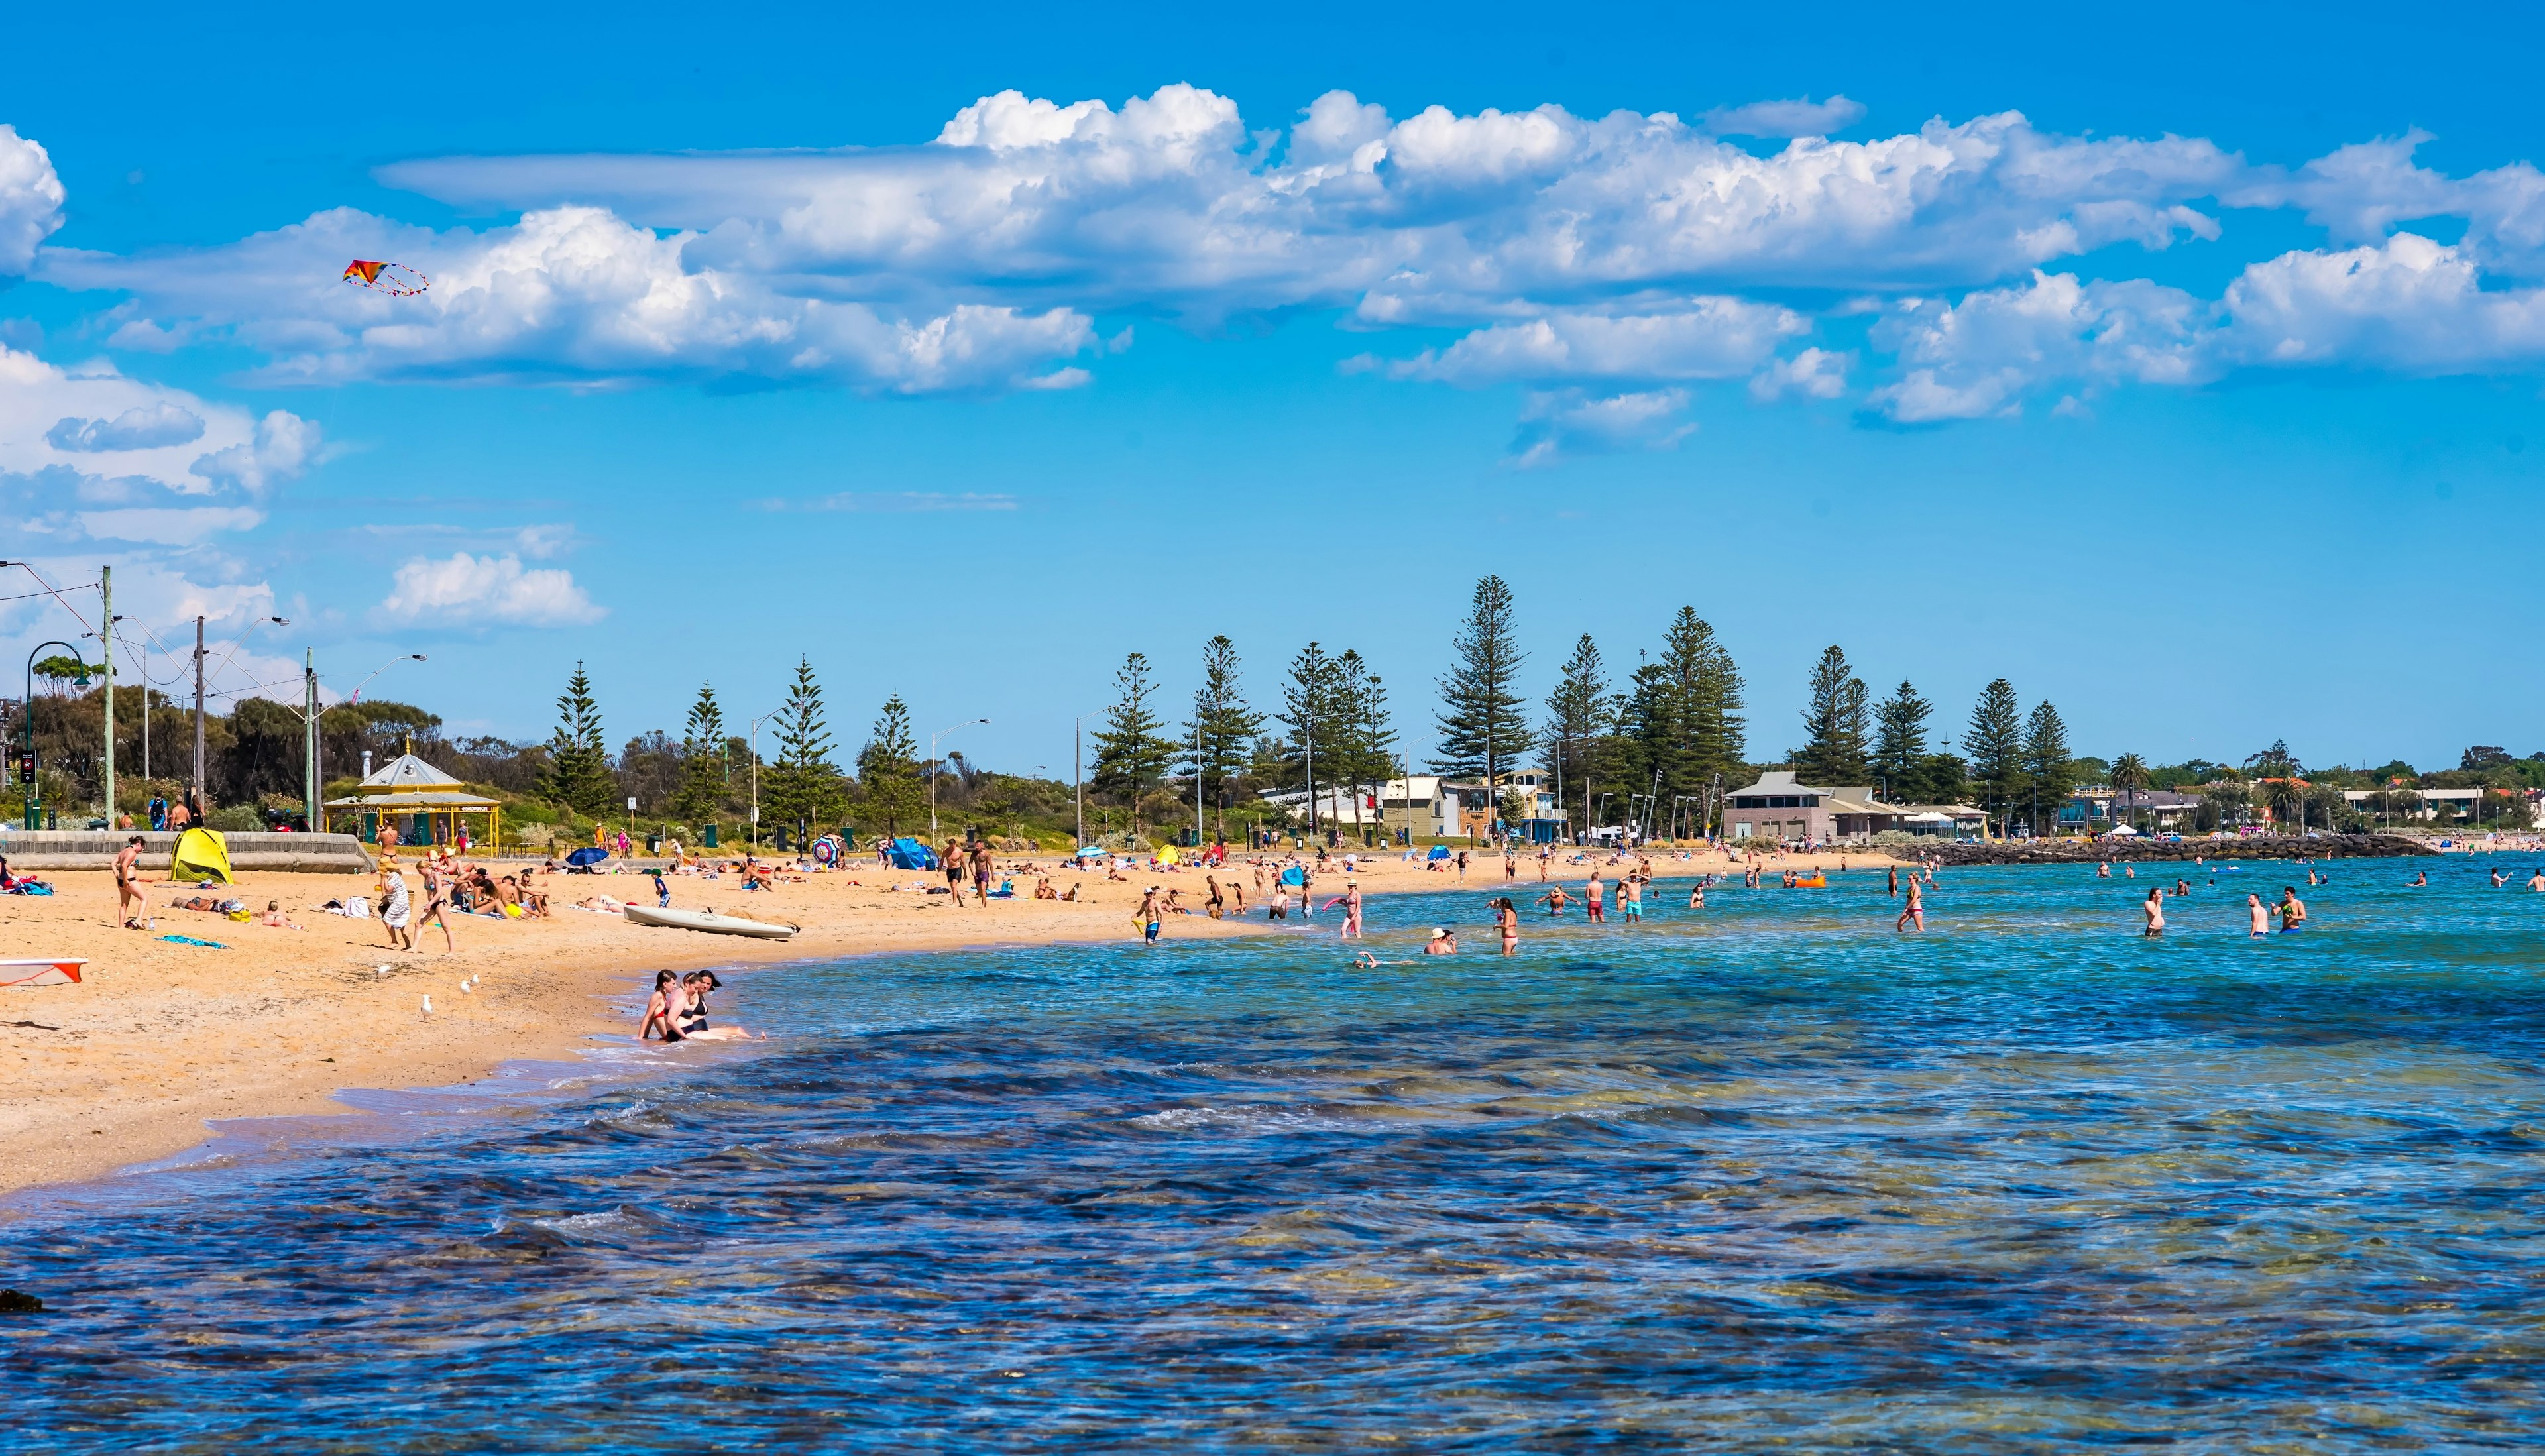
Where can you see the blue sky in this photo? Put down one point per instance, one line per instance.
(2181, 366)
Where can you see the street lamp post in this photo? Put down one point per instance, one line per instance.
(932, 771)
(751, 742)
(1077, 774)
(27, 765)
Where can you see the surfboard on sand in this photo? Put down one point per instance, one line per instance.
(64, 971)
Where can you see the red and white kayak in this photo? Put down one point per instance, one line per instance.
(62, 972)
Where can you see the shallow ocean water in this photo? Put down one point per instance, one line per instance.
(1765, 1177)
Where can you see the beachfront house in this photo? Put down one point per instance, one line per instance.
(1781, 807)
(2096, 810)
(1425, 806)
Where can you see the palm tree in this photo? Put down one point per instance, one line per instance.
(2129, 776)
(2280, 796)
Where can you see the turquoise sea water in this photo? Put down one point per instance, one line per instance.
(1765, 1177)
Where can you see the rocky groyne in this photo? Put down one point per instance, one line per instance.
(2250, 847)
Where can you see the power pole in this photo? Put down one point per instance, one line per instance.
(310, 739)
(202, 805)
(106, 635)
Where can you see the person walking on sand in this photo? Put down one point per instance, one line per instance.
(984, 865)
(437, 893)
(1463, 866)
(2153, 905)
(1913, 916)
(394, 907)
(388, 841)
(1506, 919)
(127, 881)
(1150, 915)
(2258, 917)
(1214, 904)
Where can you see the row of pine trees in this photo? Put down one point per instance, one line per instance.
(1672, 728)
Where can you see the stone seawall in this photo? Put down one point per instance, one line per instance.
(2252, 847)
(299, 853)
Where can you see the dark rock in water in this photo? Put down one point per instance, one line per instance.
(14, 1303)
(2248, 847)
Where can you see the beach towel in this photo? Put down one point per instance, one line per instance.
(191, 940)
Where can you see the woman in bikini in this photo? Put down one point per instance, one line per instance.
(663, 1009)
(1506, 917)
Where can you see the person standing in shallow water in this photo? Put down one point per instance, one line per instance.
(1506, 919)
(1913, 917)
(2154, 906)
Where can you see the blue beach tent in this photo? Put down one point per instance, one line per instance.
(912, 855)
(1439, 851)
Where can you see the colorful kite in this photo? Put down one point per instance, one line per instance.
(394, 279)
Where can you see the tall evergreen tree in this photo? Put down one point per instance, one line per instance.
(1995, 741)
(1310, 699)
(1582, 720)
(1482, 724)
(1685, 713)
(888, 770)
(2049, 773)
(1130, 757)
(703, 771)
(1364, 733)
(578, 774)
(1836, 726)
(1900, 745)
(1223, 726)
(803, 787)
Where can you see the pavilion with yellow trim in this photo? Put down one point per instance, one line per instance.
(428, 806)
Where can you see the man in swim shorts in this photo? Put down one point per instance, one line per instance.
(2292, 911)
(2258, 917)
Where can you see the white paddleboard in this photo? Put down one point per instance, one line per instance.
(62, 972)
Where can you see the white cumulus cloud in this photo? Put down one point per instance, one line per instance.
(97, 438)
(1698, 339)
(31, 199)
(462, 590)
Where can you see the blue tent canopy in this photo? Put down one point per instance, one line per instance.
(1089, 850)
(912, 855)
(1439, 851)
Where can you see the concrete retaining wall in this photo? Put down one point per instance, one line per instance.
(301, 853)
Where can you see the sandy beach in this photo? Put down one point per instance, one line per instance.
(161, 1038)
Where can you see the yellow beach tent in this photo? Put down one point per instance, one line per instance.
(202, 854)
